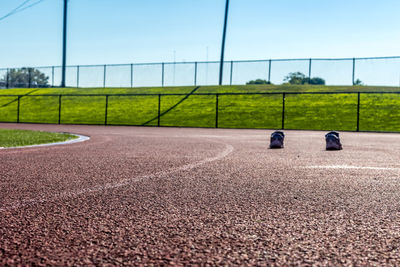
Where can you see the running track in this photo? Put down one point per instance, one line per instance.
(141, 195)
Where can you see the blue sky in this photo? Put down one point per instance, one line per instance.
(130, 31)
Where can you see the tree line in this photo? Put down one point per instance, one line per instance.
(24, 77)
(294, 78)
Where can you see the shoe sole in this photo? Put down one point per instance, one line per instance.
(332, 145)
(276, 144)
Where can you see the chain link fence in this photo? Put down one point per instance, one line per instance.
(378, 71)
(359, 111)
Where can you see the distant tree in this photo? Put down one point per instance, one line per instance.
(358, 82)
(258, 81)
(317, 80)
(300, 78)
(295, 78)
(25, 76)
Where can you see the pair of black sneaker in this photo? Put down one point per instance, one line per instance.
(332, 140)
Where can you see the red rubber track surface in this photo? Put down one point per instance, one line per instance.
(142, 195)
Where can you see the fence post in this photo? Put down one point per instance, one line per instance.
(358, 111)
(230, 82)
(269, 70)
(354, 69)
(77, 76)
(8, 79)
(104, 79)
(29, 77)
(106, 111)
(195, 73)
(159, 110)
(173, 80)
(309, 71)
(52, 76)
(162, 74)
(131, 75)
(59, 109)
(216, 110)
(19, 97)
(283, 110)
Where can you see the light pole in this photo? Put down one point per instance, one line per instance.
(64, 58)
(221, 64)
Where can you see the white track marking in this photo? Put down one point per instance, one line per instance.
(81, 138)
(352, 167)
(228, 149)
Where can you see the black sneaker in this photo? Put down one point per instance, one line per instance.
(277, 138)
(333, 141)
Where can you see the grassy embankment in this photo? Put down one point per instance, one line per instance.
(14, 138)
(378, 112)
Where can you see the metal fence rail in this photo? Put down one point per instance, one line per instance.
(379, 71)
(351, 111)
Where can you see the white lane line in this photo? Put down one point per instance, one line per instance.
(228, 149)
(351, 167)
(81, 138)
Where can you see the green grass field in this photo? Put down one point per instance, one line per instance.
(378, 112)
(14, 138)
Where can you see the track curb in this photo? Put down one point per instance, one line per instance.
(81, 138)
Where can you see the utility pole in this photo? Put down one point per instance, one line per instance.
(221, 64)
(64, 58)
